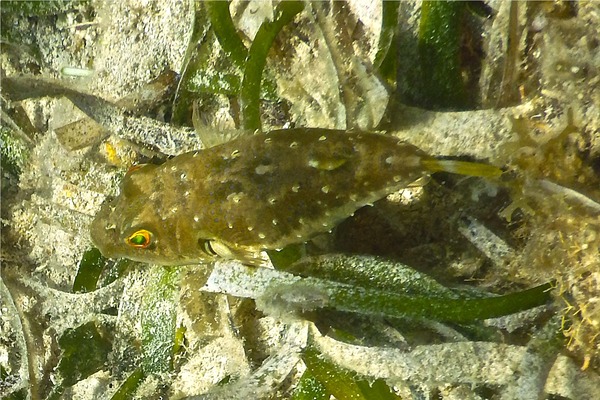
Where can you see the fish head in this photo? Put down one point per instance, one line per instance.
(135, 225)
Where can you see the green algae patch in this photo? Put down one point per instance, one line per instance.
(439, 50)
(85, 352)
(445, 57)
(158, 317)
(369, 272)
(14, 152)
(95, 270)
(90, 267)
(284, 258)
(128, 387)
(310, 388)
(339, 382)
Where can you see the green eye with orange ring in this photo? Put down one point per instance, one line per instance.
(140, 239)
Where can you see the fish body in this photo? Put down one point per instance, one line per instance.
(254, 193)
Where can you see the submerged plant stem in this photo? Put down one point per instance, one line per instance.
(281, 292)
(441, 309)
(222, 24)
(257, 59)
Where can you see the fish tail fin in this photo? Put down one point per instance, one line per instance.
(462, 168)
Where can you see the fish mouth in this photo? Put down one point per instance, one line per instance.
(103, 233)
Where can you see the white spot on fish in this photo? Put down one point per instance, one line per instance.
(325, 189)
(397, 178)
(195, 153)
(274, 222)
(235, 153)
(196, 218)
(293, 145)
(183, 176)
(173, 210)
(272, 200)
(353, 197)
(235, 197)
(186, 193)
(174, 168)
(268, 140)
(250, 228)
(295, 188)
(230, 225)
(262, 235)
(301, 221)
(321, 138)
(389, 160)
(263, 169)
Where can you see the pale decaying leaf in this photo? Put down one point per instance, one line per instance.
(86, 132)
(472, 363)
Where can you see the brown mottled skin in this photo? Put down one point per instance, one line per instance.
(254, 193)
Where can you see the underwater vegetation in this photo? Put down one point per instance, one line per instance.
(483, 285)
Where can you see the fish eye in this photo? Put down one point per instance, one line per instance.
(140, 239)
(206, 247)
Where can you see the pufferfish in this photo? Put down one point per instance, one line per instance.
(255, 193)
